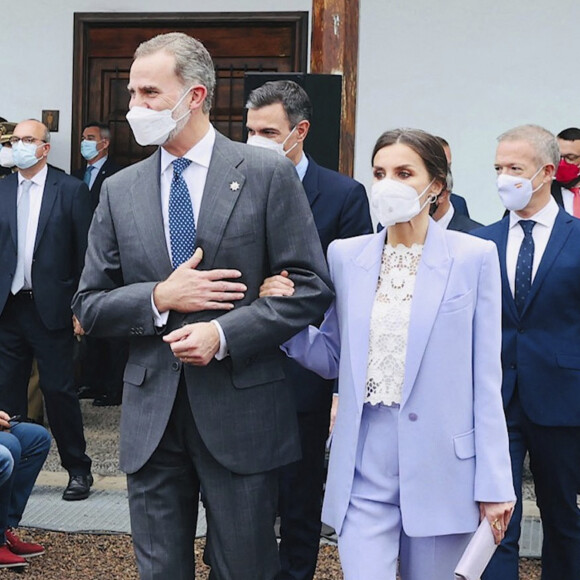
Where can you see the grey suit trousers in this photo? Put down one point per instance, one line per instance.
(163, 501)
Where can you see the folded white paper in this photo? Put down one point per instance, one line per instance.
(477, 554)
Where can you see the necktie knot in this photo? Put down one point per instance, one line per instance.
(527, 226)
(179, 166)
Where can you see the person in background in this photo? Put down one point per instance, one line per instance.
(566, 184)
(444, 213)
(6, 160)
(102, 360)
(44, 220)
(459, 203)
(538, 246)
(419, 449)
(279, 117)
(23, 450)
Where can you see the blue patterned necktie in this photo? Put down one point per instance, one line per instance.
(88, 173)
(181, 220)
(524, 264)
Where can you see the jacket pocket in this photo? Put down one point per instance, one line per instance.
(134, 374)
(568, 361)
(465, 444)
(456, 303)
(257, 370)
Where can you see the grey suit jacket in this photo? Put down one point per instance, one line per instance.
(254, 217)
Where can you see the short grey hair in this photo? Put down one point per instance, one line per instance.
(193, 64)
(293, 98)
(544, 143)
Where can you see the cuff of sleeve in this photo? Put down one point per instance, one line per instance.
(159, 318)
(223, 350)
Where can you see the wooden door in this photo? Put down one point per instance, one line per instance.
(104, 47)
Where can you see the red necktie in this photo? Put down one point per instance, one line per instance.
(576, 207)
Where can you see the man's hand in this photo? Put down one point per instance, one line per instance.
(77, 328)
(333, 412)
(4, 421)
(194, 344)
(190, 290)
(279, 285)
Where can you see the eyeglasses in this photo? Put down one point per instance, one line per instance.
(570, 158)
(26, 140)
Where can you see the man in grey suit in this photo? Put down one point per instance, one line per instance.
(205, 404)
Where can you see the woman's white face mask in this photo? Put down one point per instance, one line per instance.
(395, 202)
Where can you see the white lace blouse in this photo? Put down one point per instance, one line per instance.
(390, 324)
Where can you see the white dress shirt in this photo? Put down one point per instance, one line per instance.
(568, 199)
(302, 167)
(36, 192)
(541, 232)
(446, 219)
(195, 176)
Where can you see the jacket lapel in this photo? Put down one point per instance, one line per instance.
(364, 276)
(223, 186)
(48, 198)
(430, 286)
(501, 242)
(310, 182)
(145, 195)
(558, 237)
(9, 202)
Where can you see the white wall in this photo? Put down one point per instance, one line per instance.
(466, 70)
(463, 69)
(36, 52)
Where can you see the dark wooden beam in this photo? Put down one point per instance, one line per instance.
(334, 50)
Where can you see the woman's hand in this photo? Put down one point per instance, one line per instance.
(498, 515)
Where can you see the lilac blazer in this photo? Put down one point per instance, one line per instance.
(453, 444)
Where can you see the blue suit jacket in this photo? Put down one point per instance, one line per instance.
(340, 208)
(59, 249)
(453, 445)
(540, 352)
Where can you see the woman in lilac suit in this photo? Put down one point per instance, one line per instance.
(420, 449)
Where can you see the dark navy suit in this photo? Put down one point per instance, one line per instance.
(41, 326)
(541, 396)
(461, 223)
(459, 204)
(341, 210)
(109, 168)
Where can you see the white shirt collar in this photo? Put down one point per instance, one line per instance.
(200, 153)
(98, 164)
(302, 167)
(445, 220)
(546, 216)
(38, 179)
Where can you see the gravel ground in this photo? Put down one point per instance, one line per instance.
(110, 557)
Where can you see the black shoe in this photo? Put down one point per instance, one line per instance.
(106, 401)
(78, 487)
(86, 392)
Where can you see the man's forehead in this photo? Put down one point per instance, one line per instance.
(29, 128)
(516, 149)
(569, 145)
(270, 115)
(153, 70)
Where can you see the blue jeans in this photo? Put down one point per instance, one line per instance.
(28, 445)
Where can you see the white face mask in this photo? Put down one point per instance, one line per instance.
(265, 143)
(152, 127)
(395, 202)
(6, 158)
(516, 192)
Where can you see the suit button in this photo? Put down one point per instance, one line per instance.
(512, 366)
(175, 366)
(521, 330)
(413, 416)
